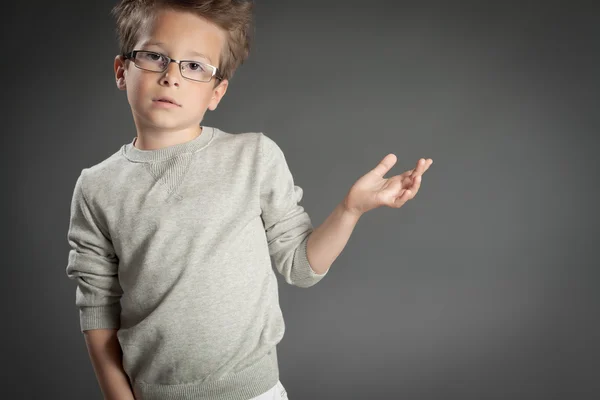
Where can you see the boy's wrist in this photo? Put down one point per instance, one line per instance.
(349, 212)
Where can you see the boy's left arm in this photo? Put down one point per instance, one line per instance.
(372, 190)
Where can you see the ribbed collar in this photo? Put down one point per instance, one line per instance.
(132, 153)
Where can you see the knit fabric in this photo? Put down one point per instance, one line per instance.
(175, 248)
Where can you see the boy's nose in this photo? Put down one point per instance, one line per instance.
(172, 74)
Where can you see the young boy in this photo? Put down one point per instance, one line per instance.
(174, 236)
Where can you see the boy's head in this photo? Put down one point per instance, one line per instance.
(213, 34)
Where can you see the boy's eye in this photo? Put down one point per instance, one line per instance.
(154, 56)
(195, 67)
(148, 56)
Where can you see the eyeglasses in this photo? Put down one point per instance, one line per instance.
(157, 62)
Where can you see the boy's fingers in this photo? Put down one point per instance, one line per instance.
(422, 166)
(416, 184)
(418, 170)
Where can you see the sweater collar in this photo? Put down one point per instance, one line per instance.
(132, 153)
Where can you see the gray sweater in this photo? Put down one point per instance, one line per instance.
(174, 247)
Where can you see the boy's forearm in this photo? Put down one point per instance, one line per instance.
(106, 356)
(327, 241)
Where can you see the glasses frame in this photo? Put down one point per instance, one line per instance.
(131, 56)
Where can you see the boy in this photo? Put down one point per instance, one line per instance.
(174, 235)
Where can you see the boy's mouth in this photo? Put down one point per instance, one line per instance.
(166, 99)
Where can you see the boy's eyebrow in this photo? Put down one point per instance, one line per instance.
(193, 53)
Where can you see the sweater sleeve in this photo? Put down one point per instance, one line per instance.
(287, 225)
(93, 264)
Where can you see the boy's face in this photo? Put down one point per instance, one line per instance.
(180, 35)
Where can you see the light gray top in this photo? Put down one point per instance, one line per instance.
(175, 248)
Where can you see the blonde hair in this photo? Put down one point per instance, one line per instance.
(234, 17)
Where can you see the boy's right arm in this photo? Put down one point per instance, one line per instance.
(106, 356)
(93, 264)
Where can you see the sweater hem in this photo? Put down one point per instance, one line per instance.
(246, 384)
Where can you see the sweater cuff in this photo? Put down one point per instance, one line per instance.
(302, 273)
(100, 317)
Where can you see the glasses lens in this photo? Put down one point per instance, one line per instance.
(150, 61)
(196, 70)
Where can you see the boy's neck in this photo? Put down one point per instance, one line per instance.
(150, 144)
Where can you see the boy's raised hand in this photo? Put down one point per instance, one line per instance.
(373, 190)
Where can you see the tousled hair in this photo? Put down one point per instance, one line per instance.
(233, 16)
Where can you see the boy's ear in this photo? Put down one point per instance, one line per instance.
(218, 93)
(119, 68)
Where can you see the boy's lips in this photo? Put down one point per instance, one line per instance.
(166, 99)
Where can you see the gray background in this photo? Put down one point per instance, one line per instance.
(482, 287)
